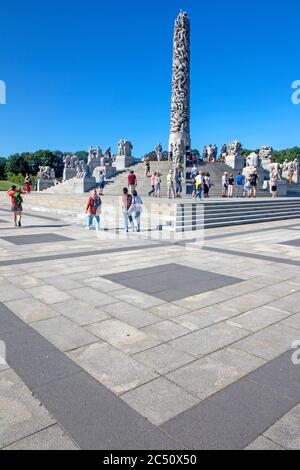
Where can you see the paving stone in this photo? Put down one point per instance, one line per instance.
(36, 239)
(52, 438)
(269, 343)
(159, 400)
(101, 284)
(24, 282)
(92, 297)
(8, 293)
(262, 443)
(30, 310)
(218, 423)
(205, 317)
(293, 322)
(112, 368)
(122, 336)
(165, 331)
(34, 359)
(62, 283)
(8, 321)
(80, 312)
(209, 340)
(215, 372)
(94, 417)
(286, 432)
(291, 303)
(63, 333)
(48, 294)
(259, 318)
(168, 311)
(131, 314)
(157, 440)
(20, 413)
(280, 375)
(137, 298)
(164, 358)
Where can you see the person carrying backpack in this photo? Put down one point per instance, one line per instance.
(93, 210)
(16, 204)
(126, 205)
(135, 211)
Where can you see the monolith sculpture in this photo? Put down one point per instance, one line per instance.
(180, 138)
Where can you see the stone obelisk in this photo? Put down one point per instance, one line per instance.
(180, 137)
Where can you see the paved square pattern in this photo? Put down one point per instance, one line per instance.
(172, 281)
(292, 242)
(36, 239)
(129, 344)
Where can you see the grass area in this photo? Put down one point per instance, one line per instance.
(5, 185)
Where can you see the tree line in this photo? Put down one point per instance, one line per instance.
(16, 166)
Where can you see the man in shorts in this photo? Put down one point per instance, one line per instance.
(16, 204)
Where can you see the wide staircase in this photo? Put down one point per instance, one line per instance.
(223, 213)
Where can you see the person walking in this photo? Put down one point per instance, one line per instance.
(204, 153)
(16, 204)
(153, 181)
(199, 186)
(239, 183)
(135, 211)
(93, 210)
(274, 185)
(225, 182)
(247, 189)
(126, 204)
(27, 184)
(230, 186)
(147, 167)
(132, 182)
(210, 153)
(178, 180)
(215, 153)
(254, 180)
(157, 185)
(194, 171)
(101, 183)
(170, 184)
(207, 185)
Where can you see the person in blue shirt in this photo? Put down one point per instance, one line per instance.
(239, 185)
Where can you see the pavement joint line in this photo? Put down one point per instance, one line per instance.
(251, 255)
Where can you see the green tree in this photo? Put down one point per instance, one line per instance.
(82, 155)
(16, 165)
(3, 165)
(288, 154)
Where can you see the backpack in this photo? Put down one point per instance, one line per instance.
(18, 199)
(97, 203)
(129, 201)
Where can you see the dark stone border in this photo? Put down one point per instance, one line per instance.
(97, 419)
(252, 255)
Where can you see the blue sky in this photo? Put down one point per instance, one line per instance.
(83, 73)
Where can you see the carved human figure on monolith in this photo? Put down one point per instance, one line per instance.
(180, 138)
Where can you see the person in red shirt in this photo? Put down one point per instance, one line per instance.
(16, 204)
(132, 182)
(93, 210)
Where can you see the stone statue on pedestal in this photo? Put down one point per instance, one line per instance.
(159, 152)
(266, 156)
(234, 157)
